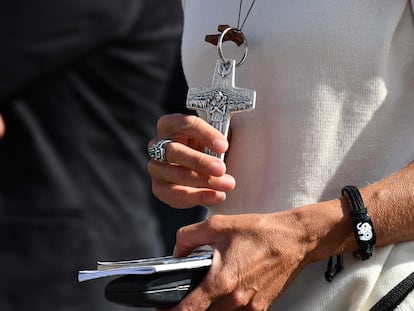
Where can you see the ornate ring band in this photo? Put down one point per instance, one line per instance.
(157, 150)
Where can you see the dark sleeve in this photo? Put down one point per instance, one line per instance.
(37, 37)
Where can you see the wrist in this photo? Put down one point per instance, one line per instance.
(327, 228)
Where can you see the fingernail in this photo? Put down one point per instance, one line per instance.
(221, 145)
(217, 168)
(228, 182)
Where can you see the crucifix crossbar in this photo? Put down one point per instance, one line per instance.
(217, 103)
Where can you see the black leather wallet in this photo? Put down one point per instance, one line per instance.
(161, 289)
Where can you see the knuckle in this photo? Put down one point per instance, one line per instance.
(215, 221)
(211, 182)
(163, 121)
(199, 163)
(180, 232)
(166, 123)
(240, 298)
(188, 123)
(180, 237)
(227, 284)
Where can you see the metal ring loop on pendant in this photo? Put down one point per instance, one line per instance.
(220, 46)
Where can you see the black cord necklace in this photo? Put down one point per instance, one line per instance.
(247, 14)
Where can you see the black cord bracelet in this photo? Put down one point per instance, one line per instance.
(363, 230)
(361, 223)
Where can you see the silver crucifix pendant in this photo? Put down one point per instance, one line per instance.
(216, 104)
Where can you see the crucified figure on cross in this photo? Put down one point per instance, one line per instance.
(217, 103)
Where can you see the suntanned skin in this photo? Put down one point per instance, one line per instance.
(256, 256)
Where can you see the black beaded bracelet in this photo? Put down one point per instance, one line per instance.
(361, 223)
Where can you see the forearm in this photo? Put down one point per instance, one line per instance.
(327, 225)
(390, 203)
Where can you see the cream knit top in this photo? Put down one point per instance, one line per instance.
(335, 106)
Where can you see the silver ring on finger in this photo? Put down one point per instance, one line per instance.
(157, 150)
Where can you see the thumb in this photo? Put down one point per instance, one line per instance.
(192, 236)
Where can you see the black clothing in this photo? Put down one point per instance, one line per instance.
(81, 86)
